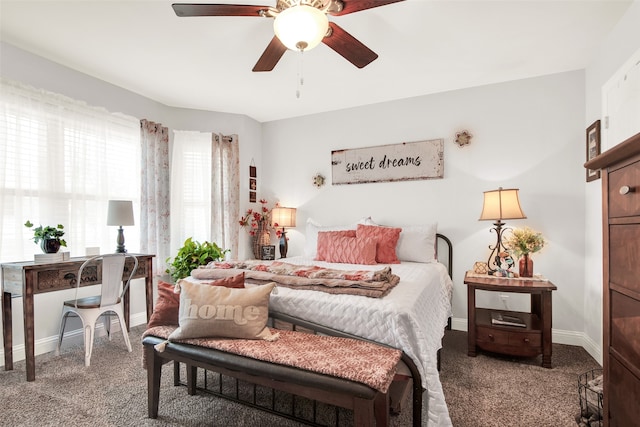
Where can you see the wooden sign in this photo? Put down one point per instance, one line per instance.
(397, 162)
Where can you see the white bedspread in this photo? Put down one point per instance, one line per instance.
(412, 317)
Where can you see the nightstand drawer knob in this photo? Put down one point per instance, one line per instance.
(625, 189)
(491, 337)
(526, 340)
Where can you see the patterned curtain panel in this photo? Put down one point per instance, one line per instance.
(225, 191)
(155, 232)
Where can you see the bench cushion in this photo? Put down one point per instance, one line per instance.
(354, 360)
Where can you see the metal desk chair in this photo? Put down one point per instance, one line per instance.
(109, 302)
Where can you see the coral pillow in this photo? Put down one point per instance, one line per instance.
(386, 241)
(219, 312)
(165, 312)
(352, 250)
(326, 241)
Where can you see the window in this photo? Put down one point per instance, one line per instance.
(60, 162)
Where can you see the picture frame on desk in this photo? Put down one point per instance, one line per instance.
(593, 148)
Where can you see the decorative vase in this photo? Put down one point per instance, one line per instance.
(50, 246)
(526, 266)
(261, 238)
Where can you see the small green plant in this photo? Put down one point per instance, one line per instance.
(47, 233)
(192, 255)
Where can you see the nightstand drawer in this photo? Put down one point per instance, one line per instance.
(492, 335)
(512, 338)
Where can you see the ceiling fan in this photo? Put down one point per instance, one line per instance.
(298, 25)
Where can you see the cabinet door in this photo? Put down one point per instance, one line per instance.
(624, 389)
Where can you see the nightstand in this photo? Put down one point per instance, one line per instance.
(528, 341)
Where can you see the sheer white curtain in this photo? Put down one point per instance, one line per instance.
(155, 200)
(60, 162)
(190, 188)
(204, 189)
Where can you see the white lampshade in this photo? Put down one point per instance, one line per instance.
(501, 204)
(120, 212)
(284, 217)
(301, 27)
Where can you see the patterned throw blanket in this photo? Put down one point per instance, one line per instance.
(355, 360)
(373, 284)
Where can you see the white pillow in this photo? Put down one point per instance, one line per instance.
(311, 244)
(416, 243)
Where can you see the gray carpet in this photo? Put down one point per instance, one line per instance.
(486, 390)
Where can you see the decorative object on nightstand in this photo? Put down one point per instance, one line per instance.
(522, 243)
(498, 205)
(283, 217)
(480, 267)
(120, 213)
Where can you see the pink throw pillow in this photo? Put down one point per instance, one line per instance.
(325, 242)
(166, 309)
(386, 241)
(352, 250)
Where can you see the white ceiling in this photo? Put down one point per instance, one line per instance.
(424, 46)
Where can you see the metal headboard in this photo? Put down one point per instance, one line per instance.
(443, 240)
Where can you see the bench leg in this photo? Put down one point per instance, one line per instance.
(176, 373)
(154, 373)
(363, 413)
(192, 376)
(381, 409)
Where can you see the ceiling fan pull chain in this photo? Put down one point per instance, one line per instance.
(300, 75)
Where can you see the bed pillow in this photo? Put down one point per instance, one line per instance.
(348, 249)
(311, 235)
(165, 311)
(417, 243)
(219, 312)
(386, 241)
(327, 240)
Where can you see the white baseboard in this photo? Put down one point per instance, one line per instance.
(557, 336)
(48, 344)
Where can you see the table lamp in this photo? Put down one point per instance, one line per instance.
(120, 213)
(498, 205)
(283, 217)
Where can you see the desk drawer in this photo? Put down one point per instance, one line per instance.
(627, 204)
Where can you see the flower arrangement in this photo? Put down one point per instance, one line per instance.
(524, 241)
(253, 219)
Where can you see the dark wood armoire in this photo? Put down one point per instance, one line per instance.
(621, 287)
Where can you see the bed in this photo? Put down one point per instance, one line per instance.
(412, 316)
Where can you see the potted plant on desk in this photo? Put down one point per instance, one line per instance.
(50, 238)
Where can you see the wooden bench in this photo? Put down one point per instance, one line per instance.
(370, 406)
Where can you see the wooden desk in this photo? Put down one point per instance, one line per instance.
(26, 279)
(529, 341)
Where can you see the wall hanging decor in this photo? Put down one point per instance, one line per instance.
(406, 161)
(318, 180)
(253, 183)
(593, 148)
(463, 138)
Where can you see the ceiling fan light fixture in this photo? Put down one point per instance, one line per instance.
(301, 27)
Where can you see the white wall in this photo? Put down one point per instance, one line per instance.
(621, 43)
(527, 134)
(30, 69)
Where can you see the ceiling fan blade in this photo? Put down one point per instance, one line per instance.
(194, 9)
(351, 6)
(270, 56)
(349, 47)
